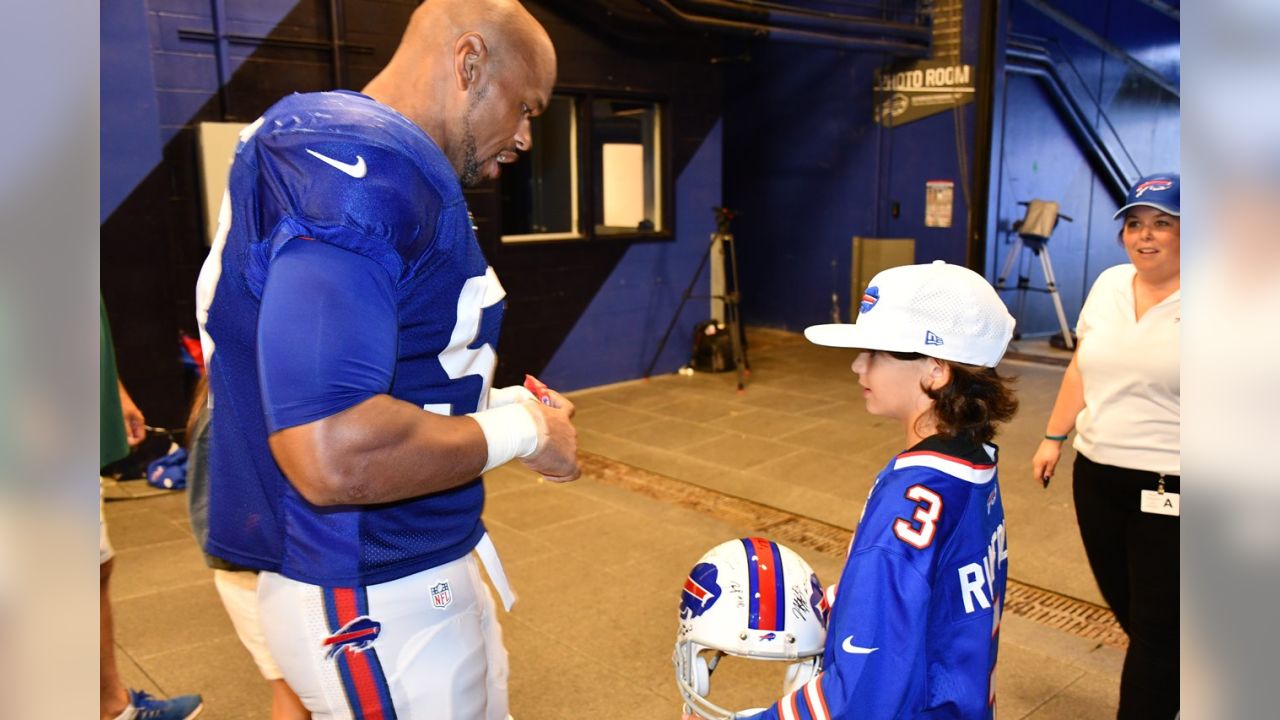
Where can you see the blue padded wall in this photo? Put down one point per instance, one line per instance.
(810, 169)
(162, 73)
(1041, 157)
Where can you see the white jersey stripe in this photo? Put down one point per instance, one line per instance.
(817, 703)
(976, 474)
(787, 707)
(210, 272)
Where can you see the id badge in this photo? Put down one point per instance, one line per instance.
(1160, 503)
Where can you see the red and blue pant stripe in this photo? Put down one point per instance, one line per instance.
(362, 678)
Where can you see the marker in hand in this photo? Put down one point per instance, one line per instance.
(538, 388)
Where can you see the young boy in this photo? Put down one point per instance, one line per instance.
(914, 626)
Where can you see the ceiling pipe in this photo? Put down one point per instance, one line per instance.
(787, 35)
(800, 18)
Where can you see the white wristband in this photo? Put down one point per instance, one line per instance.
(501, 397)
(512, 431)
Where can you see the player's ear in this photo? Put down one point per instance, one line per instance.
(469, 55)
(938, 373)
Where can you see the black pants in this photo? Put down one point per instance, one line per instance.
(1134, 557)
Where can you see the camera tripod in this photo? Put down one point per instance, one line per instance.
(730, 297)
(1037, 242)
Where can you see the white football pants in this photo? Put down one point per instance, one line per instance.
(424, 647)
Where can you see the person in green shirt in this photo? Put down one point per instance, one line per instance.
(122, 427)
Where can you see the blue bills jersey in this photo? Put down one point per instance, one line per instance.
(345, 220)
(914, 624)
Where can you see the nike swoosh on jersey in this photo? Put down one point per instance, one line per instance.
(356, 169)
(852, 649)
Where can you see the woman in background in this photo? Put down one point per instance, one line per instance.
(1121, 394)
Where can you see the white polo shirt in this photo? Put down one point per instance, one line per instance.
(1130, 369)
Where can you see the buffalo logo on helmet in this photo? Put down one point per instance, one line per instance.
(818, 599)
(700, 591)
(356, 636)
(1154, 185)
(869, 299)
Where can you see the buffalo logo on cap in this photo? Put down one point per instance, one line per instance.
(869, 299)
(1155, 185)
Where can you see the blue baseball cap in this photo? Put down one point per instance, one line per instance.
(1160, 191)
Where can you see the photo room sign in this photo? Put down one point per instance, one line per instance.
(908, 93)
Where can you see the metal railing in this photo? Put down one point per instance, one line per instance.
(1102, 141)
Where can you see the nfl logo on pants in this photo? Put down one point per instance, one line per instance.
(441, 595)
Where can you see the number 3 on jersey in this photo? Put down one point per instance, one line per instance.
(929, 507)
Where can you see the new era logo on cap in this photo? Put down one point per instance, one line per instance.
(931, 339)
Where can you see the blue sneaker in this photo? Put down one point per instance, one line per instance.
(146, 707)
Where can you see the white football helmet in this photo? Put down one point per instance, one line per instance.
(751, 598)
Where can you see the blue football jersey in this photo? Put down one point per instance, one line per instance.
(914, 626)
(361, 182)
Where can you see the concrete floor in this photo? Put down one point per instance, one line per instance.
(599, 566)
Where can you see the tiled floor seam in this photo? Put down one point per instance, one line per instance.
(137, 663)
(167, 588)
(1054, 695)
(184, 647)
(551, 638)
(1071, 615)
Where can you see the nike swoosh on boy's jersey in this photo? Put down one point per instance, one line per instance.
(852, 649)
(356, 169)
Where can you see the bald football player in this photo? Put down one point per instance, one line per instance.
(350, 322)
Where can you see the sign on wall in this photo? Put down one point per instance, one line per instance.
(906, 93)
(939, 199)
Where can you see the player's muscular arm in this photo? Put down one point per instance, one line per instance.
(378, 451)
(385, 449)
(327, 351)
(327, 341)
